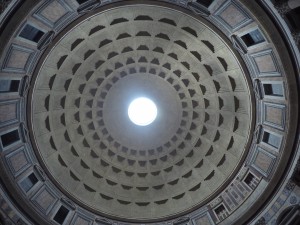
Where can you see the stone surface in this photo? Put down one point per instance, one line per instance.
(98, 155)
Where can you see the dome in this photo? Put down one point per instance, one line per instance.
(94, 75)
(217, 78)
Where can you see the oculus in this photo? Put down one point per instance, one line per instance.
(142, 111)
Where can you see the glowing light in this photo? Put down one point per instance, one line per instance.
(142, 111)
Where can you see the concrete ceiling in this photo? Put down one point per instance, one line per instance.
(94, 152)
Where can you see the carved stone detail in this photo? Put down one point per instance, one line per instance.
(257, 134)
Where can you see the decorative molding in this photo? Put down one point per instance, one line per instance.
(232, 24)
(263, 162)
(182, 221)
(258, 133)
(69, 203)
(81, 219)
(257, 89)
(269, 67)
(54, 23)
(45, 40)
(39, 171)
(198, 9)
(203, 219)
(280, 202)
(18, 161)
(23, 132)
(4, 105)
(24, 86)
(281, 109)
(13, 64)
(44, 199)
(237, 44)
(89, 6)
(101, 221)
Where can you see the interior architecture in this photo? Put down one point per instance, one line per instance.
(159, 112)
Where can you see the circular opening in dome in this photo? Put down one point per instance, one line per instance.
(142, 111)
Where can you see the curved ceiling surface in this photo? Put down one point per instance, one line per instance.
(98, 156)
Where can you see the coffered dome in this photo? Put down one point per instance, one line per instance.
(103, 160)
(221, 146)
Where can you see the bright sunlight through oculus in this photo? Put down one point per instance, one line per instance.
(142, 111)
